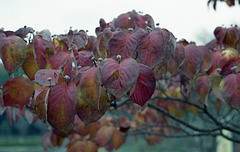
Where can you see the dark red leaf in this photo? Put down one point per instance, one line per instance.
(220, 33)
(117, 78)
(193, 60)
(40, 46)
(62, 59)
(17, 91)
(122, 43)
(227, 68)
(145, 85)
(229, 88)
(84, 58)
(156, 47)
(61, 107)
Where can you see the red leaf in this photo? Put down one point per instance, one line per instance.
(179, 55)
(193, 60)
(40, 46)
(93, 100)
(144, 86)
(231, 37)
(84, 58)
(202, 88)
(117, 139)
(227, 68)
(61, 107)
(41, 104)
(104, 135)
(17, 91)
(133, 20)
(78, 146)
(122, 43)
(42, 77)
(13, 51)
(220, 33)
(117, 78)
(229, 88)
(60, 59)
(207, 58)
(156, 47)
(101, 50)
(124, 21)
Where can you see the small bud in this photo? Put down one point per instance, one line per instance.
(70, 49)
(218, 70)
(66, 77)
(49, 78)
(149, 29)
(100, 60)
(119, 57)
(234, 69)
(79, 67)
(130, 29)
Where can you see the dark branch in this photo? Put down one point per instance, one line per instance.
(150, 105)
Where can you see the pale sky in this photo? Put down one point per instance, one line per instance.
(189, 19)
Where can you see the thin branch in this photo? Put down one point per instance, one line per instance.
(177, 99)
(150, 105)
(120, 103)
(229, 138)
(175, 136)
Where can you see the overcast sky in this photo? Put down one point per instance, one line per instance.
(189, 19)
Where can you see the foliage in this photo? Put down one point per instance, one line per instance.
(72, 79)
(230, 3)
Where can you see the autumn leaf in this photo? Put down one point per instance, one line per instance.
(17, 91)
(104, 135)
(145, 85)
(122, 43)
(117, 78)
(156, 47)
(29, 66)
(230, 89)
(193, 60)
(40, 46)
(41, 104)
(61, 107)
(13, 52)
(62, 59)
(47, 77)
(116, 139)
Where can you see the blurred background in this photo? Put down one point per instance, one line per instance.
(192, 20)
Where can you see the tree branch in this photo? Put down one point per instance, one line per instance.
(150, 105)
